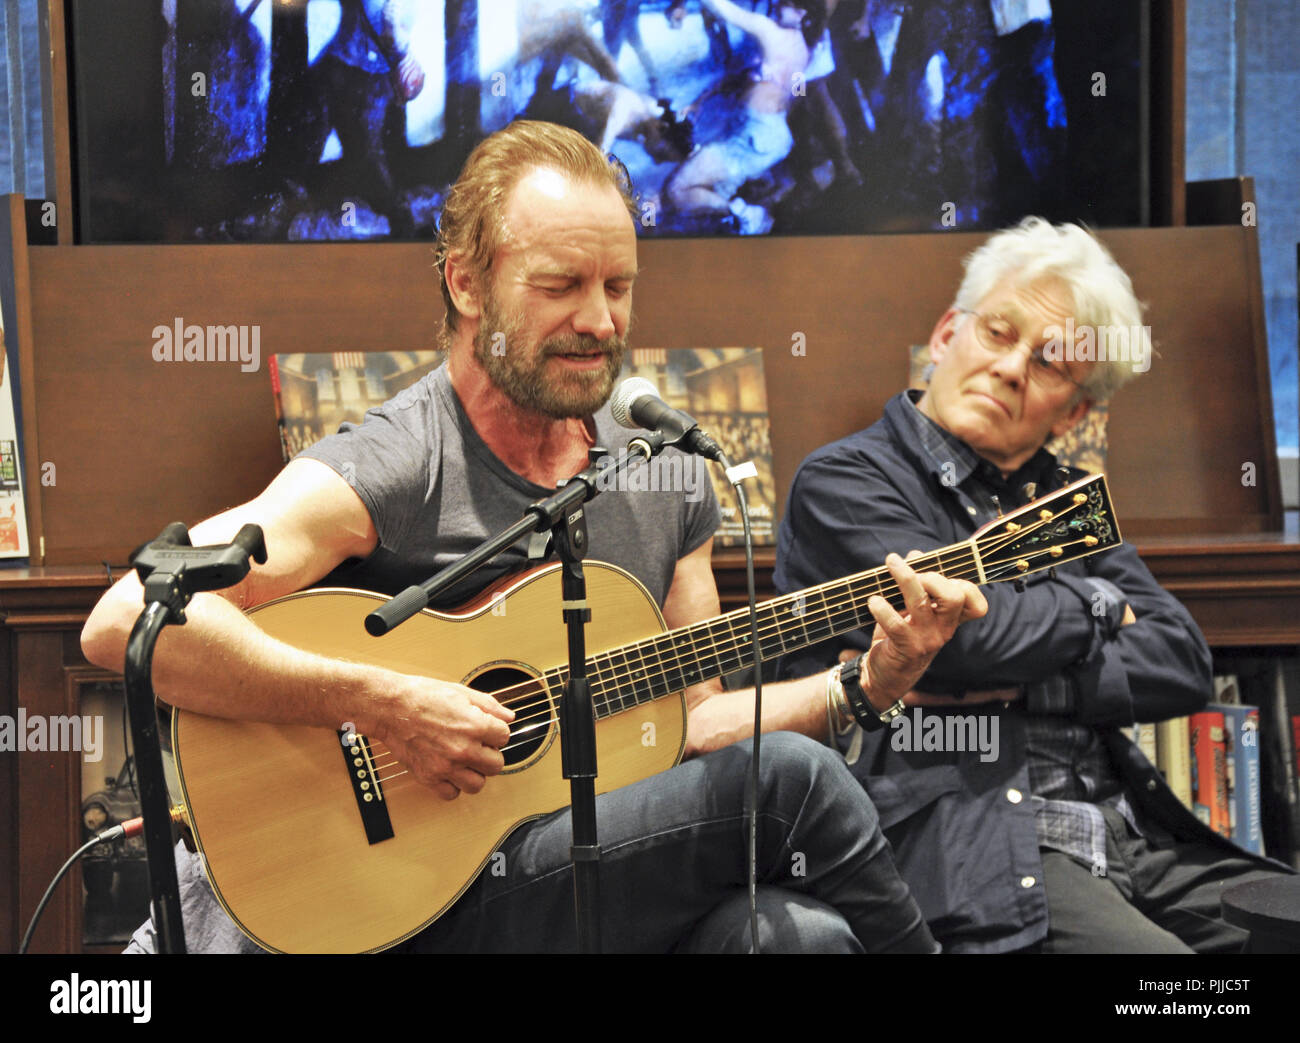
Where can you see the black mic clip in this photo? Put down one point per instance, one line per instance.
(173, 570)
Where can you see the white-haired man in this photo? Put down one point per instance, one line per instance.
(1062, 836)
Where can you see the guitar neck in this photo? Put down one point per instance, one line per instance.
(666, 664)
(1071, 523)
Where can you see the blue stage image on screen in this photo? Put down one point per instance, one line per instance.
(267, 120)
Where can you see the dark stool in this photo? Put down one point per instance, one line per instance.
(1269, 910)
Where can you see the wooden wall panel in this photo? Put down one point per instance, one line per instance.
(1179, 434)
(138, 443)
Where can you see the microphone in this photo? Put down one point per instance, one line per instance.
(636, 404)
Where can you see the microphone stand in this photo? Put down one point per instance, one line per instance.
(172, 571)
(563, 515)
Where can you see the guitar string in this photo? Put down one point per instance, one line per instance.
(609, 676)
(703, 643)
(605, 674)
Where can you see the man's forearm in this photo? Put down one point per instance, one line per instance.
(220, 663)
(788, 706)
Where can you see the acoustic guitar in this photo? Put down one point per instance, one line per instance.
(319, 841)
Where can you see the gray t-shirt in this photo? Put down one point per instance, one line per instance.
(435, 491)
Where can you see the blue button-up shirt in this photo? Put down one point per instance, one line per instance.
(1070, 773)
(966, 839)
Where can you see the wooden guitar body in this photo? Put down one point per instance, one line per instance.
(273, 808)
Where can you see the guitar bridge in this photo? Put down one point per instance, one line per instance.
(366, 787)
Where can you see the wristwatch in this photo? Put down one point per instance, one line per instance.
(863, 712)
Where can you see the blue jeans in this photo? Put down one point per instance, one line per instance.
(673, 867)
(673, 870)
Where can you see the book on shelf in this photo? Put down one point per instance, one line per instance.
(1272, 683)
(1286, 714)
(1227, 690)
(1210, 771)
(1173, 757)
(1143, 736)
(1241, 741)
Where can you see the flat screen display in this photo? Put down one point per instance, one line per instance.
(267, 120)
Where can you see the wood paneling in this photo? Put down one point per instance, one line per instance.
(60, 128)
(1179, 434)
(1168, 113)
(138, 443)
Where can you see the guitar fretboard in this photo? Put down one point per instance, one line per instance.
(1073, 522)
(634, 674)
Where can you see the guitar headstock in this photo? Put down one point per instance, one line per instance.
(1071, 523)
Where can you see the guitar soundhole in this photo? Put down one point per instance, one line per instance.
(533, 710)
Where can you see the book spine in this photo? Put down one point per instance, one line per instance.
(1210, 772)
(1286, 714)
(1144, 736)
(1249, 768)
(1241, 738)
(1174, 758)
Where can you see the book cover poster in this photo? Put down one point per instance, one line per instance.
(722, 388)
(13, 515)
(315, 393)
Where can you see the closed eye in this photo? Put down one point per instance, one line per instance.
(556, 289)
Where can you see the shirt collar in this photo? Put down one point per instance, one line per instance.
(940, 449)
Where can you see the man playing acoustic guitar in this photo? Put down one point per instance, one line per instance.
(537, 257)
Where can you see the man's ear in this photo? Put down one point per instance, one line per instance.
(941, 336)
(1072, 416)
(462, 285)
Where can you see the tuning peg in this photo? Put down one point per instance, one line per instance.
(1062, 476)
(1029, 490)
(1019, 585)
(997, 503)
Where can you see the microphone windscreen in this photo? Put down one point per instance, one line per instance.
(620, 404)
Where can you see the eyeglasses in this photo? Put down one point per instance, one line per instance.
(998, 336)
